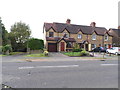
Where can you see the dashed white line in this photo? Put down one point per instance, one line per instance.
(62, 66)
(109, 64)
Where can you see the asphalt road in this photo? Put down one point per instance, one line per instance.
(60, 74)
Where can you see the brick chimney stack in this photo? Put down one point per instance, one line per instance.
(68, 21)
(93, 24)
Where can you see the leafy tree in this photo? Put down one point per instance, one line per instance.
(20, 33)
(35, 44)
(4, 40)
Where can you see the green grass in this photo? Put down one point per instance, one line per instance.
(15, 53)
(2, 55)
(72, 53)
(36, 55)
(82, 53)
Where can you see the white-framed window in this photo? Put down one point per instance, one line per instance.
(94, 37)
(106, 37)
(79, 36)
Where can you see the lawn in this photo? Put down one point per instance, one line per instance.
(36, 55)
(2, 55)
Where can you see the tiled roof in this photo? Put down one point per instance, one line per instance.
(114, 32)
(72, 28)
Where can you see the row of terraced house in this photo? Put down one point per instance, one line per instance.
(63, 36)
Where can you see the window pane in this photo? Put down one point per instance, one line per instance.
(50, 34)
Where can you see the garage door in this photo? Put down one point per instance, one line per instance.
(52, 47)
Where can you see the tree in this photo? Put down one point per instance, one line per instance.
(35, 44)
(4, 40)
(20, 33)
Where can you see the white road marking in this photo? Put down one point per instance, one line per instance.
(62, 66)
(109, 64)
(25, 67)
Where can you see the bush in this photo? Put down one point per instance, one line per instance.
(35, 44)
(77, 50)
(84, 53)
(6, 48)
(0, 49)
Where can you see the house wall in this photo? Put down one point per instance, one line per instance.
(51, 30)
(78, 40)
(109, 41)
(98, 40)
(62, 34)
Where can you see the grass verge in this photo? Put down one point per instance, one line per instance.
(36, 55)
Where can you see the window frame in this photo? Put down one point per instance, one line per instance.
(106, 39)
(79, 36)
(51, 35)
(94, 36)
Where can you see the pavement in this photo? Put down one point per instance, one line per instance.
(58, 57)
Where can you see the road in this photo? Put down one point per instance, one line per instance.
(60, 74)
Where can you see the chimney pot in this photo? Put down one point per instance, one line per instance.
(93, 24)
(68, 21)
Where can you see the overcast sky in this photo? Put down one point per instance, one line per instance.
(81, 12)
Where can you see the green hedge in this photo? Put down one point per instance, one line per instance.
(35, 44)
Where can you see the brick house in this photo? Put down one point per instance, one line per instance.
(63, 36)
(116, 36)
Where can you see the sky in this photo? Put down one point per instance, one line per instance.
(36, 12)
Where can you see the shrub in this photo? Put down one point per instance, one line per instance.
(77, 50)
(6, 48)
(84, 53)
(0, 49)
(35, 44)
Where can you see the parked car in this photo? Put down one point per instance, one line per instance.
(100, 49)
(114, 50)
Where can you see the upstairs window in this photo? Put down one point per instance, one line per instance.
(79, 36)
(94, 37)
(65, 35)
(51, 34)
(106, 37)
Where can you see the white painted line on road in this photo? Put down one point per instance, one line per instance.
(62, 66)
(57, 66)
(109, 64)
(25, 67)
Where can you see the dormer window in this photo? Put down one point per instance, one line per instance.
(51, 34)
(106, 37)
(79, 36)
(94, 37)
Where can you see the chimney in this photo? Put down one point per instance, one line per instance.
(93, 24)
(68, 21)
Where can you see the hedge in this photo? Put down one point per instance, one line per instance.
(35, 44)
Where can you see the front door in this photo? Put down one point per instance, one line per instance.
(86, 47)
(62, 46)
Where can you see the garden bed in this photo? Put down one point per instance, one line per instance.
(78, 54)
